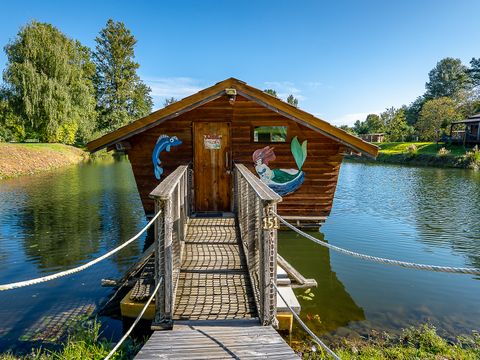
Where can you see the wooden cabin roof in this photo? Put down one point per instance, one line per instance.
(472, 119)
(247, 91)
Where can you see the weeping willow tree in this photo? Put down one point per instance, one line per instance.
(48, 84)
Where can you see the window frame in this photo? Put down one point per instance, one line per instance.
(252, 133)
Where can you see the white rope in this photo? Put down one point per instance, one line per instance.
(305, 327)
(446, 269)
(110, 354)
(20, 284)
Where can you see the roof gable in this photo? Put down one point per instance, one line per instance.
(193, 101)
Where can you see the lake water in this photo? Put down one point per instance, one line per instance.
(55, 221)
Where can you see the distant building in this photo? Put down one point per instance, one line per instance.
(466, 131)
(373, 138)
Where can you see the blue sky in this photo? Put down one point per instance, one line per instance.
(342, 59)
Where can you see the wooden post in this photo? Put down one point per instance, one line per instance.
(270, 269)
(161, 316)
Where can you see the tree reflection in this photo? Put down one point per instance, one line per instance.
(447, 212)
(71, 215)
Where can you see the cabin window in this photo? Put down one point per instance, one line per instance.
(272, 134)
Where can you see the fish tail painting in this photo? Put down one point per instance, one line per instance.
(282, 181)
(164, 142)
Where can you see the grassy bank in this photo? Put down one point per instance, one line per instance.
(85, 342)
(425, 154)
(421, 342)
(29, 158)
(414, 343)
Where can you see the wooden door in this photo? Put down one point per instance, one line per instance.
(212, 165)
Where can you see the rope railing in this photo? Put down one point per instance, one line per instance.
(60, 274)
(127, 334)
(380, 260)
(305, 327)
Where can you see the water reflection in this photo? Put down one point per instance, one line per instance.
(423, 215)
(332, 306)
(58, 220)
(64, 218)
(447, 213)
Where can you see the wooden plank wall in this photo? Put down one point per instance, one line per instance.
(321, 168)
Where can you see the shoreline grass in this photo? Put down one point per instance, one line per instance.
(424, 154)
(84, 342)
(422, 342)
(18, 159)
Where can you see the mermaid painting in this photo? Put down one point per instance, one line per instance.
(282, 181)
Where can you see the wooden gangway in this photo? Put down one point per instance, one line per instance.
(214, 283)
(215, 275)
(227, 339)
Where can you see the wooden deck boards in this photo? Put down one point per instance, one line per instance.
(230, 339)
(213, 282)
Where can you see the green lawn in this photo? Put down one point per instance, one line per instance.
(427, 148)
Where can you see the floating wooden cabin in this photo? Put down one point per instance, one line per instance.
(295, 153)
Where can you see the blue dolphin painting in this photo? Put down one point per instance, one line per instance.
(164, 142)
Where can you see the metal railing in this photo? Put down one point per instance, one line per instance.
(255, 204)
(173, 200)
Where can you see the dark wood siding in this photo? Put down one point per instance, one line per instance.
(315, 196)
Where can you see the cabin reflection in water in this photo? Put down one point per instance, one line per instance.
(295, 153)
(332, 306)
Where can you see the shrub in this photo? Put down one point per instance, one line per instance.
(472, 158)
(443, 152)
(412, 150)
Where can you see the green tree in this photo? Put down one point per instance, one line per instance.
(292, 100)
(48, 85)
(447, 79)
(435, 116)
(11, 127)
(374, 124)
(169, 101)
(121, 95)
(271, 92)
(360, 127)
(412, 111)
(347, 128)
(396, 125)
(474, 71)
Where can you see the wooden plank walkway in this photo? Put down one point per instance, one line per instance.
(214, 283)
(227, 339)
(215, 316)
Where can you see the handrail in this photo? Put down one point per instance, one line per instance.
(124, 337)
(260, 188)
(60, 274)
(405, 264)
(305, 327)
(166, 187)
(254, 202)
(172, 198)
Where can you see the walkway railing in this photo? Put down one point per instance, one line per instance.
(380, 260)
(77, 269)
(255, 204)
(173, 201)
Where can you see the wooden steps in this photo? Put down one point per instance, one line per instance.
(227, 339)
